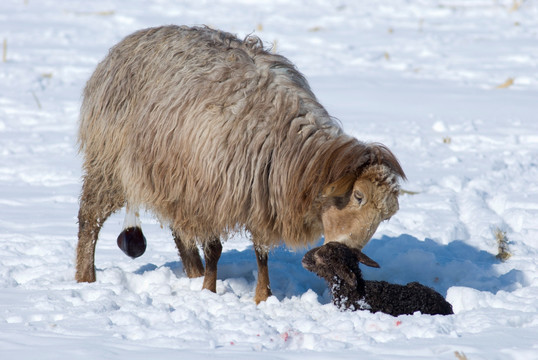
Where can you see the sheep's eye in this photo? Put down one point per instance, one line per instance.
(359, 197)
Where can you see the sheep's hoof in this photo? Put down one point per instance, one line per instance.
(132, 242)
(262, 294)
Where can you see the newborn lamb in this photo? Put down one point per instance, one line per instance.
(337, 264)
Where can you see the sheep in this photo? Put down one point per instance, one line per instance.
(213, 135)
(337, 264)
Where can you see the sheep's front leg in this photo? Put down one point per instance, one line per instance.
(263, 288)
(212, 251)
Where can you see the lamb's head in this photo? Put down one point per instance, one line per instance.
(337, 264)
(354, 206)
(337, 261)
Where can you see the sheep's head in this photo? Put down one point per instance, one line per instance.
(354, 207)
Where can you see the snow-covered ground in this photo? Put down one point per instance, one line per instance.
(451, 86)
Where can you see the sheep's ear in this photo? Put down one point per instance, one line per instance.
(339, 187)
(363, 259)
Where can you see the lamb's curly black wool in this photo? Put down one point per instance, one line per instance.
(338, 265)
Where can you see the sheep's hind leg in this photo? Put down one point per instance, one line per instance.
(99, 199)
(263, 287)
(212, 252)
(190, 257)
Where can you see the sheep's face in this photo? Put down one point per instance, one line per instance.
(352, 210)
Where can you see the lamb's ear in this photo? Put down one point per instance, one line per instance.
(339, 187)
(363, 259)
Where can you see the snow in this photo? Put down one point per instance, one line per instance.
(450, 86)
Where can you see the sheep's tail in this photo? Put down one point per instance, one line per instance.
(131, 240)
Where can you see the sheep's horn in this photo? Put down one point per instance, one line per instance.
(363, 259)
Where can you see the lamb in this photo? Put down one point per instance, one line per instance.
(214, 134)
(337, 264)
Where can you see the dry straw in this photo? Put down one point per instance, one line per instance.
(516, 5)
(91, 13)
(38, 103)
(502, 244)
(315, 29)
(509, 82)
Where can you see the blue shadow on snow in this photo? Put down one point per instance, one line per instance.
(402, 259)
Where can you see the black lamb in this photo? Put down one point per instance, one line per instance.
(338, 265)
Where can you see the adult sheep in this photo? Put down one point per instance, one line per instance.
(213, 134)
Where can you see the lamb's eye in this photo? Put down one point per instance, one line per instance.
(358, 196)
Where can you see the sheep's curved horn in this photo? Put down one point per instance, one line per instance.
(363, 259)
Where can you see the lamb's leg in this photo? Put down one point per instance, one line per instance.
(212, 251)
(190, 257)
(263, 287)
(98, 200)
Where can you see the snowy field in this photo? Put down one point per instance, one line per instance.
(451, 86)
